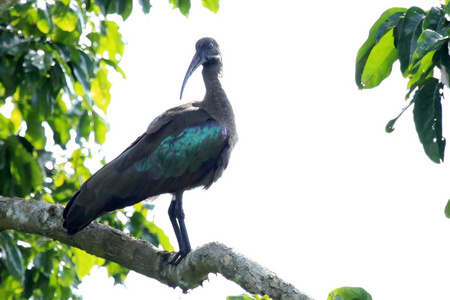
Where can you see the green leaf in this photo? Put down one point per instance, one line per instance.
(445, 66)
(422, 71)
(77, 163)
(60, 36)
(103, 5)
(16, 119)
(117, 272)
(145, 4)
(349, 293)
(85, 62)
(29, 285)
(44, 23)
(428, 119)
(428, 41)
(379, 63)
(35, 131)
(100, 89)
(115, 66)
(447, 7)
(27, 175)
(390, 16)
(409, 34)
(183, 5)
(111, 42)
(13, 45)
(120, 7)
(101, 127)
(44, 262)
(82, 77)
(67, 278)
(85, 262)
(447, 209)
(5, 170)
(7, 67)
(3, 158)
(433, 19)
(390, 125)
(392, 22)
(2, 88)
(21, 9)
(12, 256)
(60, 125)
(163, 239)
(85, 126)
(62, 53)
(6, 127)
(61, 71)
(212, 5)
(64, 17)
(30, 173)
(126, 7)
(140, 227)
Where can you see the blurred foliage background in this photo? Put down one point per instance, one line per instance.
(55, 57)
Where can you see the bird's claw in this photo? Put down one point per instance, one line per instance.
(178, 258)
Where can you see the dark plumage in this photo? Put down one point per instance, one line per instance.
(185, 147)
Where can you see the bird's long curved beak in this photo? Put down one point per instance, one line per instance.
(195, 63)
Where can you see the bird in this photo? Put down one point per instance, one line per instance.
(185, 147)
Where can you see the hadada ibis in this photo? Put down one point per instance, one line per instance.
(187, 146)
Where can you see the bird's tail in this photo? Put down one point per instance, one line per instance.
(76, 217)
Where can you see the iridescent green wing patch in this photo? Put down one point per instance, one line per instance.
(184, 152)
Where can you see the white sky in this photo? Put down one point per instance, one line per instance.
(316, 190)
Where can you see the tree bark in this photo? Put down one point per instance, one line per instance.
(45, 219)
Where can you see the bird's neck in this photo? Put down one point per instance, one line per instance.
(216, 101)
(211, 76)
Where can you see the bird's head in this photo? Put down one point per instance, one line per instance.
(207, 52)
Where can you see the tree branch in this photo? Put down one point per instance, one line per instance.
(45, 219)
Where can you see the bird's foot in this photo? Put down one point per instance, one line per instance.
(178, 257)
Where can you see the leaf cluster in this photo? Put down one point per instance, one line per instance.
(54, 79)
(55, 58)
(419, 40)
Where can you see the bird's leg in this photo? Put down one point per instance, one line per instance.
(176, 216)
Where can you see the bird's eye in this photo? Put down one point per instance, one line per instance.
(210, 45)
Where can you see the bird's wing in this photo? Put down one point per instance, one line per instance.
(170, 123)
(179, 150)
